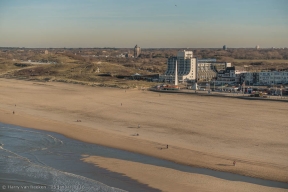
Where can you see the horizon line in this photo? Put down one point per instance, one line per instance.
(142, 47)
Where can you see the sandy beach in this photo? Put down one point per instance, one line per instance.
(172, 180)
(208, 132)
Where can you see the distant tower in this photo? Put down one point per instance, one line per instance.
(137, 51)
(46, 52)
(224, 47)
(257, 47)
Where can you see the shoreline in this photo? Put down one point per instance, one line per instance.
(148, 172)
(133, 146)
(53, 154)
(99, 132)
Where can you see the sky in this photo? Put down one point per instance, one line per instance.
(148, 23)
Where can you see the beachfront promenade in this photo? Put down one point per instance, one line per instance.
(237, 95)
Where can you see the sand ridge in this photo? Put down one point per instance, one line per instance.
(167, 179)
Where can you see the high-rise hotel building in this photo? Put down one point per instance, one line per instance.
(187, 67)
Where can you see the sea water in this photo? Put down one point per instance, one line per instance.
(32, 160)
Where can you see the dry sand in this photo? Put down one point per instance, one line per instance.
(200, 131)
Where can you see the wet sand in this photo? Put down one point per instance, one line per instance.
(200, 131)
(172, 180)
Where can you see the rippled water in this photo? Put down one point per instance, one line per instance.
(34, 158)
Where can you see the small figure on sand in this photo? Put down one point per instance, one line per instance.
(167, 146)
(234, 163)
(138, 126)
(13, 112)
(121, 104)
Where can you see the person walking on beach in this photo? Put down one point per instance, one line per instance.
(13, 112)
(167, 146)
(234, 163)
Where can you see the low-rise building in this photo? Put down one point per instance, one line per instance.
(207, 69)
(227, 75)
(265, 77)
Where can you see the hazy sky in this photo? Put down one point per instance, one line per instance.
(148, 23)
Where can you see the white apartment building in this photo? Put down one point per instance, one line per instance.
(187, 68)
(266, 77)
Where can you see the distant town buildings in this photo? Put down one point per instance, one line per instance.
(231, 75)
(128, 55)
(46, 52)
(121, 55)
(137, 51)
(257, 47)
(224, 47)
(191, 69)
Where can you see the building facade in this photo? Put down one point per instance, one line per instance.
(227, 75)
(265, 78)
(207, 69)
(186, 70)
